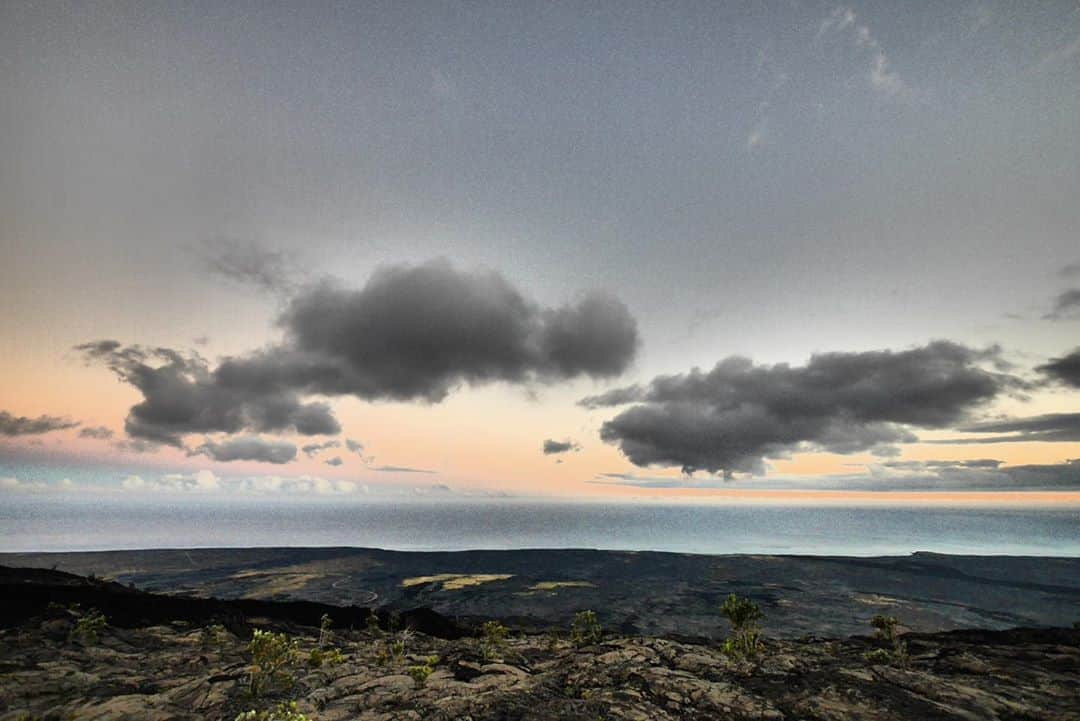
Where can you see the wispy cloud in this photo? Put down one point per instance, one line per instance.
(1059, 56)
(12, 425)
(249, 263)
(100, 433)
(756, 136)
(880, 75)
(1066, 306)
(398, 469)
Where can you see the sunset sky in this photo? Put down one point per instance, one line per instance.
(481, 248)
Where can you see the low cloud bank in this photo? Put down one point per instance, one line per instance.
(739, 414)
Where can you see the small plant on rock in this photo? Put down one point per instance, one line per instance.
(325, 657)
(401, 645)
(585, 629)
(420, 672)
(885, 630)
(492, 639)
(88, 626)
(271, 655)
(743, 615)
(326, 636)
(281, 712)
(383, 656)
(213, 635)
(372, 623)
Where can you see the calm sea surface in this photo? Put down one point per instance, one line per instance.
(36, 524)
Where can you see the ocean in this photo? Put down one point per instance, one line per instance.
(52, 524)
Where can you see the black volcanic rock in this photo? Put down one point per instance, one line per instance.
(28, 591)
(145, 665)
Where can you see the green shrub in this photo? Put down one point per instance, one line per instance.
(213, 635)
(492, 639)
(896, 652)
(743, 615)
(878, 655)
(315, 658)
(271, 654)
(401, 645)
(281, 712)
(884, 627)
(88, 626)
(585, 630)
(383, 655)
(325, 657)
(420, 672)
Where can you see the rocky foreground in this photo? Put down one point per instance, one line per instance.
(66, 663)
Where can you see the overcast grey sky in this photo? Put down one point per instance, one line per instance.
(766, 179)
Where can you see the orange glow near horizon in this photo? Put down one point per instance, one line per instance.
(485, 439)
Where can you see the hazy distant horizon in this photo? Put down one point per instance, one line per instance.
(482, 524)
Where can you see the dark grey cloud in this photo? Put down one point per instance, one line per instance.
(1065, 369)
(247, 448)
(553, 447)
(412, 333)
(417, 332)
(335, 461)
(135, 445)
(978, 475)
(313, 449)
(1047, 428)
(1066, 306)
(99, 432)
(1059, 476)
(12, 425)
(732, 418)
(614, 397)
(182, 395)
(354, 446)
(251, 264)
(398, 469)
(1072, 270)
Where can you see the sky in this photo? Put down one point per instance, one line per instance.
(576, 250)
